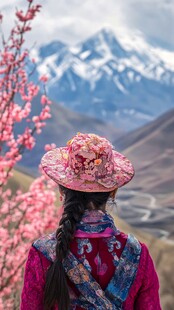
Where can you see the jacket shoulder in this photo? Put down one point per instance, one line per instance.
(47, 246)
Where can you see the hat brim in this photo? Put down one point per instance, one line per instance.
(55, 163)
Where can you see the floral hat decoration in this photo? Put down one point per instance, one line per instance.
(88, 163)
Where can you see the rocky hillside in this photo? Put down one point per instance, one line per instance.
(151, 148)
(148, 200)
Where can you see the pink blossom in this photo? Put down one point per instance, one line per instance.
(3, 70)
(49, 147)
(44, 78)
(43, 99)
(18, 225)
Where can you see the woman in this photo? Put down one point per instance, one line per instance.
(88, 263)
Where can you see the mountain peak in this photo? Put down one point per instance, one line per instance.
(99, 77)
(108, 34)
(51, 48)
(104, 44)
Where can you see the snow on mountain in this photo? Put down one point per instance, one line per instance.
(135, 42)
(101, 48)
(102, 78)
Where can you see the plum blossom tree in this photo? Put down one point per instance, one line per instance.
(24, 215)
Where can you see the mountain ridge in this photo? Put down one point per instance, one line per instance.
(101, 78)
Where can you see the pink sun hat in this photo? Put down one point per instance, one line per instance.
(88, 163)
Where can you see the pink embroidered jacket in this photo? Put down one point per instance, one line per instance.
(95, 253)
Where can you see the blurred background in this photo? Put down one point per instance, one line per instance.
(111, 72)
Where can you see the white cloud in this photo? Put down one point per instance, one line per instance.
(74, 20)
(154, 18)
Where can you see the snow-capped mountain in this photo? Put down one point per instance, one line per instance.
(101, 78)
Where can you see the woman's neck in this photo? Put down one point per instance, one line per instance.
(92, 207)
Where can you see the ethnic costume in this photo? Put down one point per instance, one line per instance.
(105, 269)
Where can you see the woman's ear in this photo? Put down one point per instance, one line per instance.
(61, 194)
(60, 191)
(113, 193)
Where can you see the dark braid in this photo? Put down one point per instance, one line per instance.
(75, 204)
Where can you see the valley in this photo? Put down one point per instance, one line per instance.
(142, 210)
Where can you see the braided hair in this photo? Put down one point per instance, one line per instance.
(75, 204)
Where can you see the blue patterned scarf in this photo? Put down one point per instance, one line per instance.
(91, 294)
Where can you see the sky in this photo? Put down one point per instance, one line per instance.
(72, 21)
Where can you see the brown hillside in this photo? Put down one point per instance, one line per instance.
(151, 149)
